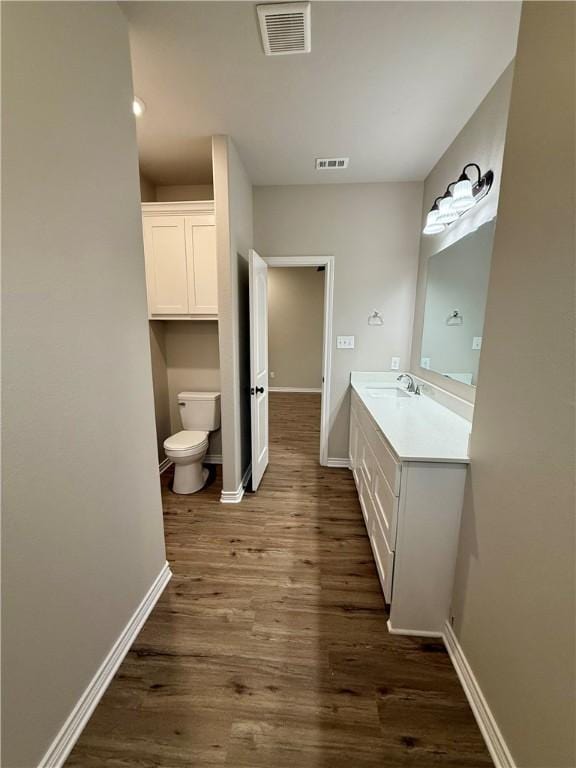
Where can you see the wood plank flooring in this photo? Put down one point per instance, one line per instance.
(269, 648)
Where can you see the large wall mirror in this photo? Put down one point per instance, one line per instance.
(456, 291)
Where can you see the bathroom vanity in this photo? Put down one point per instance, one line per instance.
(409, 457)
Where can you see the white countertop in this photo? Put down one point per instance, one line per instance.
(417, 427)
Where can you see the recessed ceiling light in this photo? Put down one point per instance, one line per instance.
(138, 107)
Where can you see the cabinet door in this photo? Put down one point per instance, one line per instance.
(366, 505)
(202, 269)
(384, 559)
(166, 268)
(366, 461)
(386, 505)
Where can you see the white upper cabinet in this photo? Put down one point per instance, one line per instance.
(181, 267)
(166, 270)
(202, 267)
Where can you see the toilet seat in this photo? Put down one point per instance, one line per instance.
(186, 443)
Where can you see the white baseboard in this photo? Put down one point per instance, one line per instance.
(235, 497)
(164, 465)
(76, 721)
(345, 463)
(232, 497)
(308, 390)
(412, 632)
(486, 722)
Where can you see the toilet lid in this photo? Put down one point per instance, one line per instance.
(184, 440)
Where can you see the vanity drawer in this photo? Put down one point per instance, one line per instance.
(385, 505)
(386, 459)
(366, 504)
(356, 475)
(366, 421)
(366, 460)
(384, 559)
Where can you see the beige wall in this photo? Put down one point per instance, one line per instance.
(186, 192)
(514, 591)
(82, 519)
(373, 232)
(234, 236)
(295, 326)
(147, 190)
(160, 384)
(192, 364)
(480, 141)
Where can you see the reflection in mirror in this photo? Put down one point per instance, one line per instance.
(456, 292)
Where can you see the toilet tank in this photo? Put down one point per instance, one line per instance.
(200, 410)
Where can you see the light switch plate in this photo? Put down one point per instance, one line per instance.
(345, 342)
(477, 342)
(395, 363)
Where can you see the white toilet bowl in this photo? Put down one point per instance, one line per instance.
(199, 415)
(187, 450)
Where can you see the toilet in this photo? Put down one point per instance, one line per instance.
(200, 415)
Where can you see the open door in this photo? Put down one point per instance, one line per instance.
(259, 365)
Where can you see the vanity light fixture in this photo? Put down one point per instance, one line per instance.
(454, 203)
(446, 212)
(462, 197)
(433, 227)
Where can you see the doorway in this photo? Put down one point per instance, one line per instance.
(303, 366)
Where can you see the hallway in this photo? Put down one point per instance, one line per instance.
(269, 646)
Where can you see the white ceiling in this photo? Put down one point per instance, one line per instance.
(389, 84)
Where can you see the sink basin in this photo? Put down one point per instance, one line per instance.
(389, 392)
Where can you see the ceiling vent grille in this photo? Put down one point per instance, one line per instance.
(285, 28)
(331, 163)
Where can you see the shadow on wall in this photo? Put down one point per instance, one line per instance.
(468, 533)
(339, 423)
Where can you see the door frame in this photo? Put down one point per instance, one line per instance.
(328, 263)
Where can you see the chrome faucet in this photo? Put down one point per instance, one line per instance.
(411, 386)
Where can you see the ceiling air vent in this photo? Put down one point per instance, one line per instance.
(331, 163)
(285, 28)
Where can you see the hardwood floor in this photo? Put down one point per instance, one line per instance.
(269, 648)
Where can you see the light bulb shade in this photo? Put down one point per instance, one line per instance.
(462, 197)
(138, 107)
(446, 213)
(432, 226)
